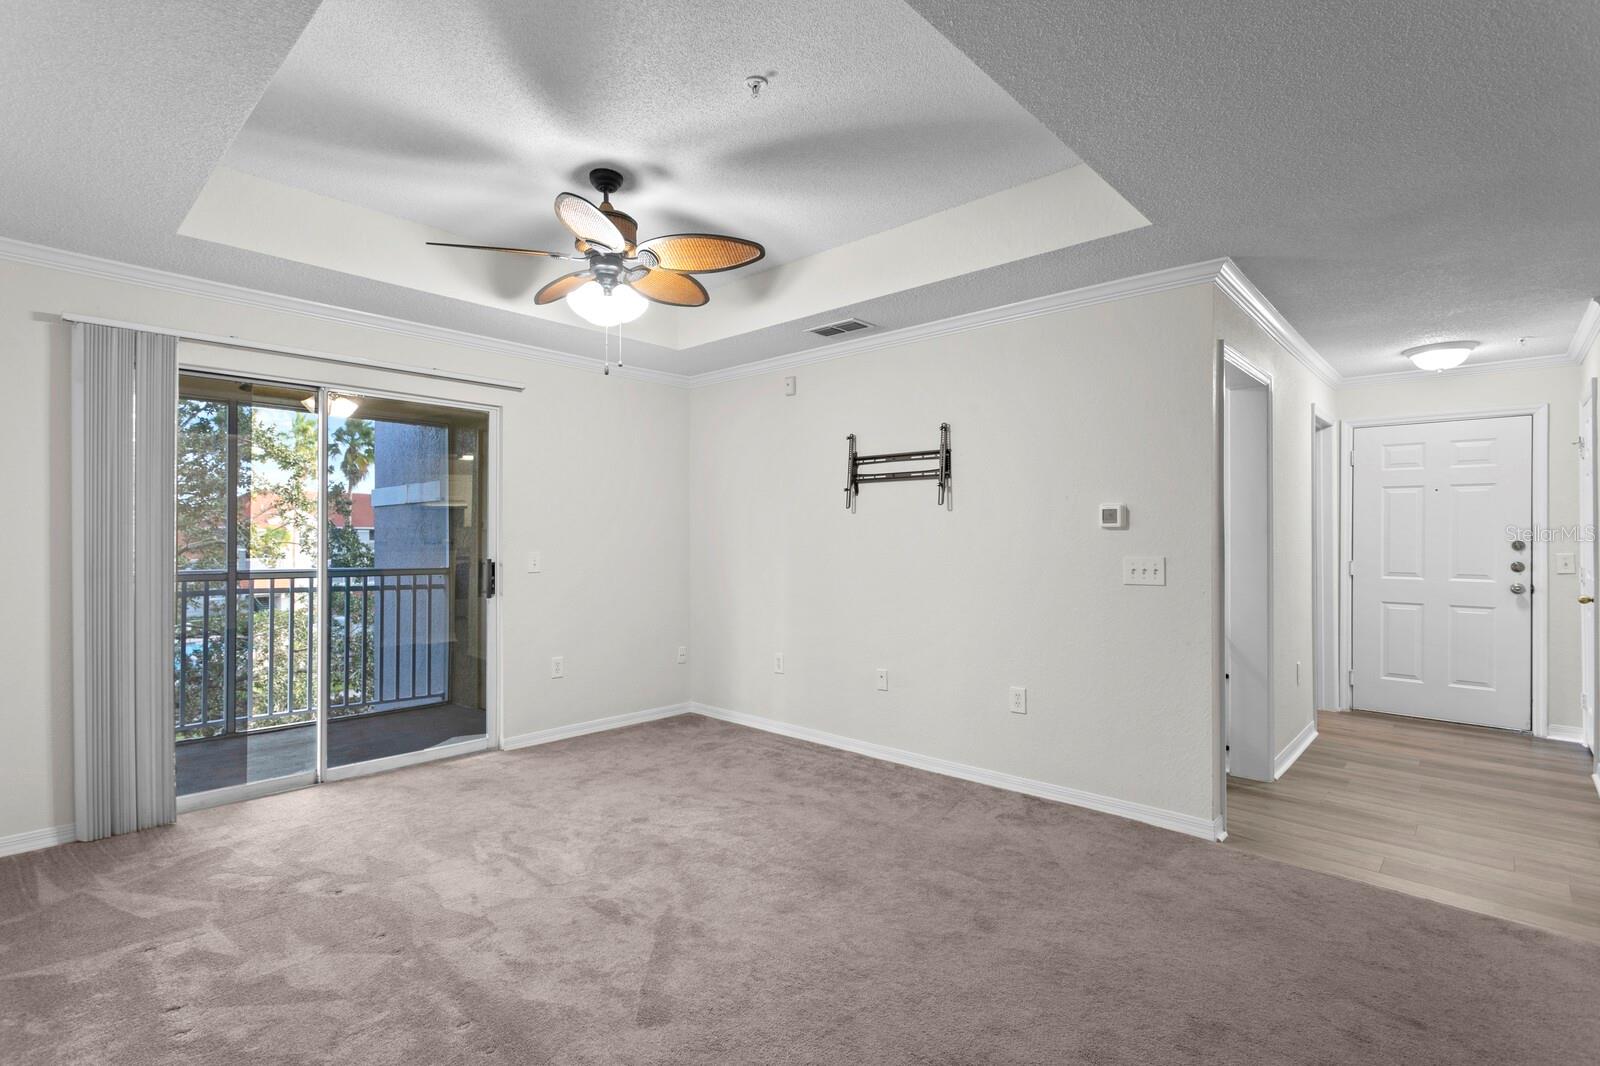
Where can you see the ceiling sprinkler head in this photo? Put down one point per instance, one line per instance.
(756, 83)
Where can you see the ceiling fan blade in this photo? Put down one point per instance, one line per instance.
(588, 223)
(665, 287)
(701, 253)
(497, 248)
(561, 286)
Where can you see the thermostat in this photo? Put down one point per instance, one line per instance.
(1113, 516)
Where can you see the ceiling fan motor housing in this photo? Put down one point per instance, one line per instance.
(607, 181)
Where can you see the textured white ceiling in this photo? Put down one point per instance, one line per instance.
(471, 116)
(1387, 171)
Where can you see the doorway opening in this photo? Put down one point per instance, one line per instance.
(332, 577)
(1247, 569)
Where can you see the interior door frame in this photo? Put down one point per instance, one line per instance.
(1232, 358)
(1590, 398)
(1326, 692)
(493, 702)
(1540, 548)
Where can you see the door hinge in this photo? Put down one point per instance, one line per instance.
(1351, 458)
(486, 577)
(1350, 676)
(1352, 568)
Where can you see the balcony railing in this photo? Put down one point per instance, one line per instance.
(246, 654)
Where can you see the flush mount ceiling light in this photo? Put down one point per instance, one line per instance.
(1446, 355)
(620, 275)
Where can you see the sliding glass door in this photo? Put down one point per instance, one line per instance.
(332, 573)
(247, 580)
(407, 567)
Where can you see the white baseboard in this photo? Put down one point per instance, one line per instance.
(1205, 828)
(594, 725)
(1296, 748)
(34, 839)
(1571, 734)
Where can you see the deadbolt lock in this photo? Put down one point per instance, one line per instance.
(1518, 545)
(1518, 567)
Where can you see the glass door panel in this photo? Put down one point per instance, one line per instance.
(246, 626)
(406, 549)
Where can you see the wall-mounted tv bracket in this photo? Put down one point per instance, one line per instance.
(854, 478)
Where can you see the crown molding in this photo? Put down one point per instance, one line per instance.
(112, 270)
(1499, 366)
(1248, 298)
(1223, 273)
(1587, 333)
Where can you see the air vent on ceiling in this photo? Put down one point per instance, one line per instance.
(833, 329)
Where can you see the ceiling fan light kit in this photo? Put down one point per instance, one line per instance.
(621, 276)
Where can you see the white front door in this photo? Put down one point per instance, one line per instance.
(1442, 621)
(1586, 556)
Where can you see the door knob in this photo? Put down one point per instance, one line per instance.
(1585, 599)
(1517, 566)
(1517, 589)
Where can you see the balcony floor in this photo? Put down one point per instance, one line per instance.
(204, 765)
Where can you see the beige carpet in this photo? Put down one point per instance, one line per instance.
(694, 892)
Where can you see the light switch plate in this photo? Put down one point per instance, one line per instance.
(788, 386)
(1144, 569)
(683, 654)
(1566, 563)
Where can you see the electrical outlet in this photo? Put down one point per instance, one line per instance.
(883, 680)
(1144, 569)
(683, 654)
(558, 666)
(1019, 699)
(788, 386)
(777, 662)
(534, 566)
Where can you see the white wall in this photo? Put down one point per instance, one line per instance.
(1560, 388)
(1018, 585)
(593, 477)
(1295, 390)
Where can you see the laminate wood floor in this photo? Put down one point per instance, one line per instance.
(1500, 823)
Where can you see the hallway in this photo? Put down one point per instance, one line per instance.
(1499, 823)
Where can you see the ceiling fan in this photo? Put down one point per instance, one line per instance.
(622, 275)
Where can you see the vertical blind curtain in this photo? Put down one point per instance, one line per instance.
(125, 394)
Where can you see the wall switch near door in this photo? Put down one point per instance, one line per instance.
(1144, 569)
